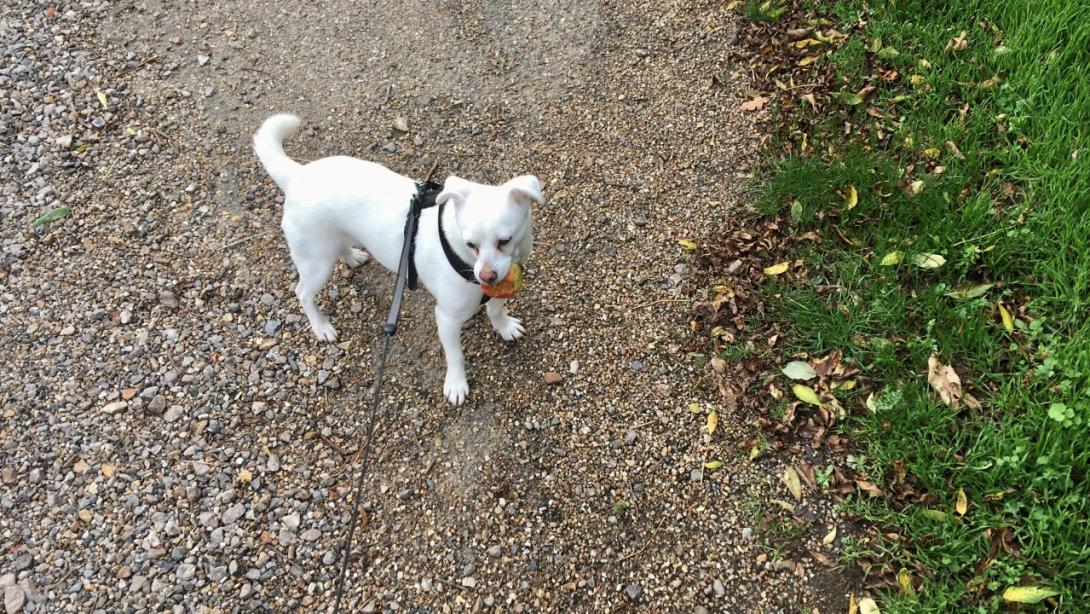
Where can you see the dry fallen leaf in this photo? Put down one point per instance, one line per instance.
(791, 480)
(868, 487)
(754, 104)
(713, 422)
(905, 580)
(830, 537)
(853, 607)
(853, 198)
(945, 381)
(1008, 320)
(810, 98)
(959, 42)
(891, 259)
(776, 269)
(928, 261)
(867, 606)
(1028, 594)
(799, 369)
(970, 292)
(687, 244)
(962, 504)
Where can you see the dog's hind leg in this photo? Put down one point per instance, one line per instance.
(314, 269)
(509, 328)
(354, 257)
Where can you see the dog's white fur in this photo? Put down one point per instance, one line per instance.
(334, 206)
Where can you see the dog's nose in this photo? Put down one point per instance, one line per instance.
(489, 276)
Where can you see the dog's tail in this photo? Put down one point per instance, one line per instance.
(268, 144)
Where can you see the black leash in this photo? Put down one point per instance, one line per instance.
(405, 268)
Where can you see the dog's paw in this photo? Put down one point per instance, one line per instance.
(325, 331)
(509, 328)
(355, 257)
(455, 388)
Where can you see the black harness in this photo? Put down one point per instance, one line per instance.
(424, 199)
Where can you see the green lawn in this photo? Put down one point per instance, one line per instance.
(982, 158)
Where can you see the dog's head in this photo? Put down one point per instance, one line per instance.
(494, 221)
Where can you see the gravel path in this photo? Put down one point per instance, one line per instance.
(174, 437)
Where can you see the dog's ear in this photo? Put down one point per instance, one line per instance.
(454, 189)
(525, 189)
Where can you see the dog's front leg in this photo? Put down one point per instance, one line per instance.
(509, 328)
(455, 386)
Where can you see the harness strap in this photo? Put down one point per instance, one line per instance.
(425, 199)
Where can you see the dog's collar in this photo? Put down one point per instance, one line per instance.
(424, 199)
(461, 267)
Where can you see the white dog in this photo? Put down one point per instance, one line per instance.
(336, 205)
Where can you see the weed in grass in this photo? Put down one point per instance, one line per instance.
(767, 11)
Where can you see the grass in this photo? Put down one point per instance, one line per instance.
(1008, 203)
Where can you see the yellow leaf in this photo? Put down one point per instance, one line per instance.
(713, 465)
(962, 504)
(1008, 320)
(915, 187)
(916, 79)
(931, 152)
(791, 479)
(892, 259)
(808, 60)
(847, 384)
(694, 408)
(807, 42)
(102, 99)
(853, 198)
(776, 269)
(829, 537)
(713, 421)
(905, 580)
(245, 476)
(871, 405)
(853, 607)
(784, 505)
(806, 394)
(733, 4)
(924, 64)
(1028, 594)
(754, 452)
(867, 606)
(687, 244)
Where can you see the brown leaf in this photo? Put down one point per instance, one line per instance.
(945, 381)
(959, 42)
(868, 487)
(810, 98)
(754, 104)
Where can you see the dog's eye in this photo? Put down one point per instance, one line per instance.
(503, 242)
(472, 246)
